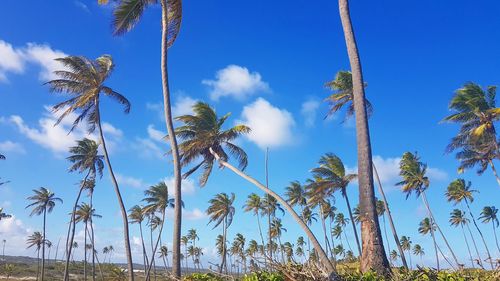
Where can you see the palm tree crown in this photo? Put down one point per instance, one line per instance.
(85, 157)
(43, 200)
(413, 173)
(221, 208)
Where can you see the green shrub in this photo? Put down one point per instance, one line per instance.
(263, 276)
(203, 277)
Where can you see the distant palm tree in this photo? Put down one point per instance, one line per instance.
(394, 255)
(221, 211)
(418, 251)
(111, 250)
(406, 245)
(254, 204)
(3, 248)
(4, 215)
(85, 83)
(2, 157)
(164, 255)
(414, 180)
(459, 191)
(270, 206)
(342, 221)
(489, 214)
(276, 231)
(49, 246)
(381, 212)
(185, 242)
(74, 246)
(425, 227)
(43, 202)
(202, 135)
(105, 251)
(458, 218)
(84, 214)
(36, 240)
(136, 215)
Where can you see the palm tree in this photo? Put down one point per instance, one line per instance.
(460, 191)
(105, 251)
(333, 176)
(418, 251)
(221, 211)
(164, 255)
(84, 81)
(202, 135)
(36, 240)
(43, 202)
(4, 215)
(425, 227)
(185, 242)
(489, 214)
(111, 250)
(374, 257)
(414, 180)
(458, 218)
(158, 201)
(342, 221)
(254, 204)
(126, 15)
(270, 206)
(84, 214)
(394, 255)
(406, 246)
(74, 246)
(475, 110)
(308, 216)
(276, 230)
(136, 215)
(296, 195)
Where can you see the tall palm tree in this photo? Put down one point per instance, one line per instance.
(126, 15)
(418, 251)
(374, 257)
(202, 135)
(406, 245)
(425, 227)
(136, 215)
(4, 215)
(413, 173)
(489, 214)
(458, 218)
(221, 211)
(84, 81)
(334, 177)
(276, 231)
(460, 191)
(164, 255)
(36, 240)
(105, 251)
(43, 202)
(394, 255)
(381, 212)
(270, 206)
(84, 213)
(185, 242)
(157, 200)
(254, 204)
(342, 221)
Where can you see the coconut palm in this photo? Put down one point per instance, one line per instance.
(164, 256)
(458, 218)
(157, 200)
(105, 251)
(334, 177)
(489, 214)
(36, 240)
(413, 173)
(126, 15)
(137, 215)
(406, 246)
(460, 191)
(254, 204)
(381, 212)
(308, 217)
(394, 255)
(4, 215)
(418, 251)
(84, 81)
(288, 250)
(43, 202)
(84, 213)
(270, 206)
(296, 195)
(202, 135)
(342, 221)
(221, 211)
(111, 251)
(425, 227)
(275, 231)
(185, 242)
(374, 258)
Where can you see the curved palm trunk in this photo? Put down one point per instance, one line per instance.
(317, 246)
(152, 262)
(144, 254)
(389, 216)
(57, 250)
(128, 253)
(435, 248)
(373, 257)
(353, 224)
(481, 235)
(176, 244)
(494, 170)
(424, 197)
(480, 262)
(468, 248)
(43, 244)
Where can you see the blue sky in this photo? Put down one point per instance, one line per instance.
(266, 62)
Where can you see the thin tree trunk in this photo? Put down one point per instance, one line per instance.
(152, 262)
(38, 263)
(97, 258)
(128, 253)
(373, 256)
(144, 254)
(468, 248)
(409, 256)
(389, 215)
(347, 240)
(353, 224)
(481, 235)
(223, 262)
(495, 232)
(92, 234)
(85, 256)
(333, 246)
(435, 245)
(323, 224)
(176, 246)
(494, 170)
(322, 255)
(43, 244)
(480, 262)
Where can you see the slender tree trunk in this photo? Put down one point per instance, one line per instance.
(92, 234)
(223, 262)
(44, 240)
(389, 215)
(353, 224)
(128, 253)
(85, 252)
(468, 248)
(481, 235)
(144, 254)
(439, 229)
(373, 256)
(435, 246)
(317, 246)
(97, 258)
(323, 224)
(347, 240)
(495, 232)
(176, 246)
(152, 262)
(37, 263)
(333, 246)
(480, 262)
(494, 170)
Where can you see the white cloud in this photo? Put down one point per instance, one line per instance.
(11, 60)
(149, 149)
(437, 174)
(187, 186)
(237, 82)
(271, 126)
(183, 105)
(192, 215)
(15, 232)
(9, 146)
(308, 110)
(155, 134)
(130, 181)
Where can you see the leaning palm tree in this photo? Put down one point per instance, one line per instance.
(84, 81)
(4, 215)
(394, 255)
(418, 251)
(254, 204)
(203, 136)
(458, 218)
(43, 202)
(406, 246)
(84, 214)
(413, 173)
(126, 15)
(489, 214)
(36, 240)
(374, 257)
(425, 227)
(164, 256)
(460, 191)
(136, 215)
(85, 159)
(334, 177)
(221, 211)
(157, 200)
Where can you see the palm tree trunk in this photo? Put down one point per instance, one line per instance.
(481, 235)
(389, 215)
(94, 253)
(317, 246)
(494, 170)
(475, 247)
(176, 244)
(409, 256)
(144, 254)
(435, 246)
(37, 263)
(347, 240)
(85, 255)
(92, 234)
(223, 262)
(71, 227)
(152, 262)
(128, 253)
(323, 224)
(373, 257)
(495, 232)
(353, 224)
(468, 248)
(424, 197)
(43, 244)
(333, 246)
